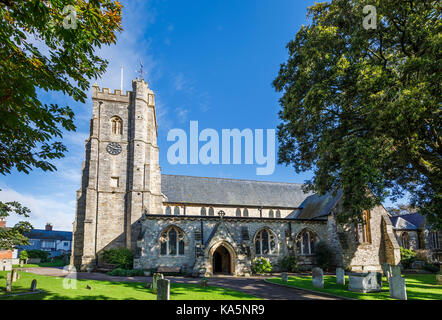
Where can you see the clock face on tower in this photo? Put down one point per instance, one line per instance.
(114, 148)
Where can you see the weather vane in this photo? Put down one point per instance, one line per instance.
(141, 72)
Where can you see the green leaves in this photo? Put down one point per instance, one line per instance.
(11, 237)
(36, 51)
(362, 107)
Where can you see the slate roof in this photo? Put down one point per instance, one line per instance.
(316, 206)
(49, 235)
(411, 221)
(219, 191)
(243, 193)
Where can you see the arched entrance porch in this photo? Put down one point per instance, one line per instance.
(222, 258)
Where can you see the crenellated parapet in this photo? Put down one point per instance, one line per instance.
(106, 95)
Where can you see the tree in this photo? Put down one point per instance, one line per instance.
(48, 45)
(361, 107)
(15, 236)
(400, 209)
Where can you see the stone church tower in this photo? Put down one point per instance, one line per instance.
(121, 176)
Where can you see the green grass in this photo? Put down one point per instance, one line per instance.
(107, 290)
(56, 263)
(419, 287)
(29, 265)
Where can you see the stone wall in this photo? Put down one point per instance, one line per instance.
(352, 254)
(153, 226)
(117, 188)
(253, 212)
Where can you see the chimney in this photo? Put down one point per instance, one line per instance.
(48, 227)
(2, 223)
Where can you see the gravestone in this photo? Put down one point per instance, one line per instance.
(365, 282)
(156, 277)
(395, 271)
(386, 269)
(284, 277)
(163, 289)
(9, 282)
(14, 275)
(5, 265)
(398, 289)
(340, 276)
(318, 278)
(34, 285)
(439, 278)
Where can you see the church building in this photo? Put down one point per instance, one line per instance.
(199, 225)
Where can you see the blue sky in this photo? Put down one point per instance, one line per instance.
(210, 61)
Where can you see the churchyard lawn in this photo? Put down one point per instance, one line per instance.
(107, 290)
(419, 287)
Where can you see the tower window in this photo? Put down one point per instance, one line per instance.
(238, 212)
(176, 211)
(203, 211)
(245, 212)
(271, 213)
(211, 212)
(116, 125)
(278, 214)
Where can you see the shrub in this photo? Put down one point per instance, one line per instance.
(407, 257)
(24, 255)
(122, 257)
(261, 265)
(431, 267)
(324, 255)
(38, 254)
(289, 264)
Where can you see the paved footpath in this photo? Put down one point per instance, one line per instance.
(255, 286)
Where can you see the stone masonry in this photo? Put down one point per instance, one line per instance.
(122, 203)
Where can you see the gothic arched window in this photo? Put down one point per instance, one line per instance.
(238, 212)
(265, 242)
(245, 212)
(172, 242)
(305, 242)
(405, 239)
(271, 213)
(176, 211)
(168, 211)
(203, 211)
(116, 125)
(278, 214)
(211, 212)
(364, 234)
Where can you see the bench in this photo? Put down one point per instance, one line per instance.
(164, 269)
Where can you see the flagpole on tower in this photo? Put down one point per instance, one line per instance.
(122, 73)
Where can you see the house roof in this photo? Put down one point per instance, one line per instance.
(220, 191)
(246, 193)
(49, 235)
(410, 221)
(316, 206)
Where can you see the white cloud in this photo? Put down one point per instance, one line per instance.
(181, 114)
(45, 208)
